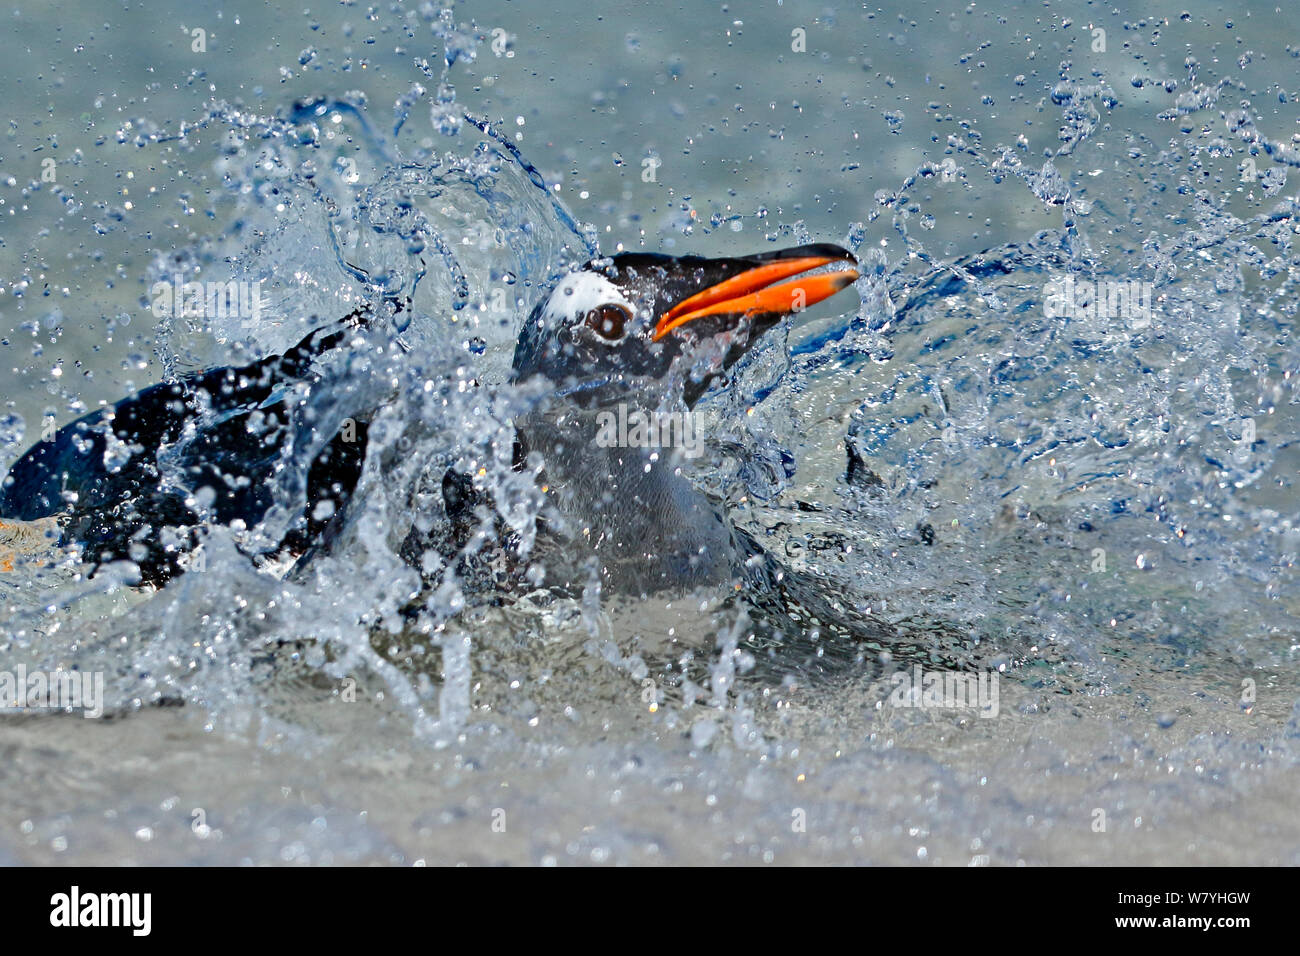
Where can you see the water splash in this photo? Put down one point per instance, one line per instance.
(1077, 477)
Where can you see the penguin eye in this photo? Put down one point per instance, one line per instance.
(608, 321)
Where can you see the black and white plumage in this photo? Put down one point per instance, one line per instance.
(651, 332)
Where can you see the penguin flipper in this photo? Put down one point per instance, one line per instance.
(101, 475)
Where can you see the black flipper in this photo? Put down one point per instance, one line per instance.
(120, 509)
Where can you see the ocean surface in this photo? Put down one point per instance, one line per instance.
(1051, 442)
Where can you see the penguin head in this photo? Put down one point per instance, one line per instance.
(636, 317)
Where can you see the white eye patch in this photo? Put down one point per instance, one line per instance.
(578, 293)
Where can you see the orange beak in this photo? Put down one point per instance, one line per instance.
(761, 291)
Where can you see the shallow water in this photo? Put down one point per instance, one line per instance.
(958, 473)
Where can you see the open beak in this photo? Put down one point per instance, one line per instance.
(780, 284)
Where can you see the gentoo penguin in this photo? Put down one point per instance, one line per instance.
(634, 332)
